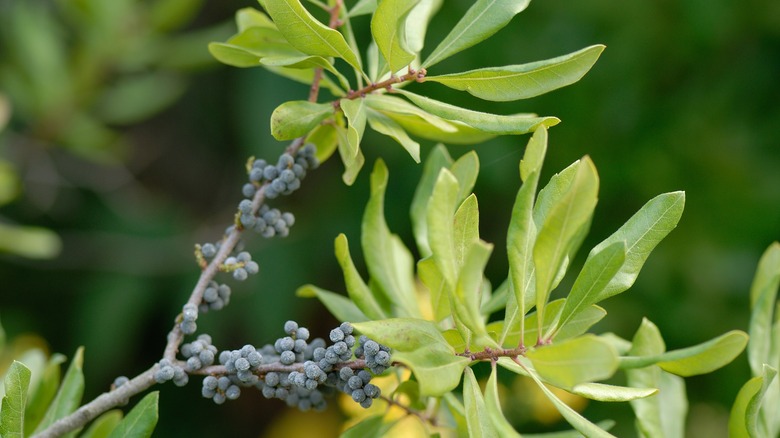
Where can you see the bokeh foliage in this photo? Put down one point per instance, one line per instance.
(683, 98)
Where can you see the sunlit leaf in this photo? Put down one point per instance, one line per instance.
(493, 405)
(513, 82)
(477, 419)
(574, 361)
(141, 420)
(68, 397)
(363, 7)
(611, 393)
(744, 421)
(251, 17)
(561, 230)
(468, 289)
(341, 307)
(483, 19)
(297, 118)
(441, 238)
(417, 23)
(308, 35)
(387, 126)
(17, 381)
(358, 291)
(698, 359)
(388, 26)
(485, 122)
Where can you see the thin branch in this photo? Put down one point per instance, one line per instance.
(493, 354)
(387, 84)
(424, 417)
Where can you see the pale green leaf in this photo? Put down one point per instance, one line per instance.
(423, 124)
(576, 326)
(103, 425)
(305, 62)
(483, 19)
(521, 235)
(763, 299)
(611, 393)
(566, 364)
(389, 262)
(17, 381)
(388, 27)
(441, 238)
(308, 35)
(417, 23)
(698, 359)
(513, 82)
(468, 290)
(663, 414)
(744, 421)
(419, 345)
(478, 420)
(493, 405)
(437, 159)
(342, 308)
(465, 169)
(297, 118)
(355, 111)
(466, 228)
(641, 233)
(374, 426)
(68, 397)
(576, 420)
(438, 289)
(606, 425)
(599, 269)
(358, 291)
(141, 420)
(251, 17)
(41, 398)
(561, 231)
(387, 126)
(351, 156)
(362, 7)
(485, 122)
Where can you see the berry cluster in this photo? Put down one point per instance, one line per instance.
(189, 314)
(242, 266)
(377, 356)
(199, 353)
(268, 222)
(215, 297)
(167, 371)
(284, 177)
(297, 371)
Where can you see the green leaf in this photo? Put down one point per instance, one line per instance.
(576, 420)
(362, 7)
(514, 82)
(103, 425)
(441, 238)
(606, 425)
(664, 414)
(339, 306)
(574, 361)
(611, 393)
(357, 289)
(389, 262)
(763, 299)
(141, 420)
(305, 77)
(465, 169)
(30, 242)
(423, 124)
(41, 398)
(419, 345)
(417, 23)
(355, 111)
(560, 232)
(599, 269)
(466, 228)
(698, 359)
(251, 17)
(68, 397)
(493, 405)
(325, 139)
(437, 159)
(297, 118)
(485, 122)
(352, 158)
(478, 421)
(483, 19)
(576, 326)
(374, 426)
(131, 99)
(387, 126)
(308, 35)
(468, 291)
(17, 381)
(641, 233)
(388, 27)
(430, 276)
(305, 62)
(521, 235)
(744, 420)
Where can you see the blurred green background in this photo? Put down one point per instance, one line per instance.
(128, 142)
